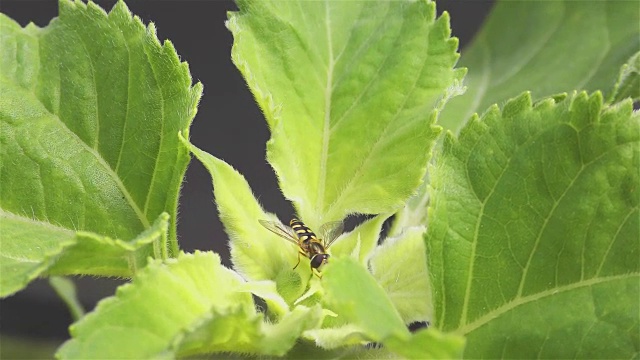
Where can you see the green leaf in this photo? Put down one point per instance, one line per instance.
(534, 230)
(361, 241)
(237, 333)
(162, 301)
(256, 253)
(31, 248)
(66, 290)
(414, 213)
(428, 344)
(19, 263)
(336, 337)
(354, 295)
(117, 257)
(281, 337)
(90, 109)
(546, 48)
(185, 306)
(347, 89)
(400, 267)
(628, 84)
(267, 290)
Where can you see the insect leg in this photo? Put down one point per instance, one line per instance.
(298, 263)
(316, 273)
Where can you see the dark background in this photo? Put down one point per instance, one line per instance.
(226, 112)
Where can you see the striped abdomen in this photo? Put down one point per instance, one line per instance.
(302, 231)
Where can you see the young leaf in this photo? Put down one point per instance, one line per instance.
(237, 333)
(66, 290)
(428, 344)
(90, 109)
(162, 301)
(414, 213)
(361, 241)
(353, 294)
(534, 230)
(628, 83)
(256, 253)
(20, 347)
(400, 267)
(546, 48)
(189, 305)
(336, 337)
(347, 89)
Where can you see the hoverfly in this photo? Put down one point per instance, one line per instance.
(308, 243)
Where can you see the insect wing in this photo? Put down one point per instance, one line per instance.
(330, 231)
(280, 230)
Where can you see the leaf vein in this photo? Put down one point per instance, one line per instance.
(326, 130)
(152, 182)
(127, 109)
(551, 213)
(379, 141)
(523, 300)
(372, 79)
(614, 238)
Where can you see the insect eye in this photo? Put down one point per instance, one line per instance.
(318, 260)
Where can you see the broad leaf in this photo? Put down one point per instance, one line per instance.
(90, 109)
(348, 90)
(188, 305)
(546, 48)
(534, 230)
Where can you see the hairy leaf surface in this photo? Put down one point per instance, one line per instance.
(348, 94)
(185, 306)
(400, 267)
(90, 109)
(356, 297)
(31, 248)
(257, 253)
(534, 230)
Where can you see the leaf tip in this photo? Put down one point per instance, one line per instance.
(517, 105)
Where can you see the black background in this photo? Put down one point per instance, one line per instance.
(228, 125)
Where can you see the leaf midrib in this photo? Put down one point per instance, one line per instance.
(326, 130)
